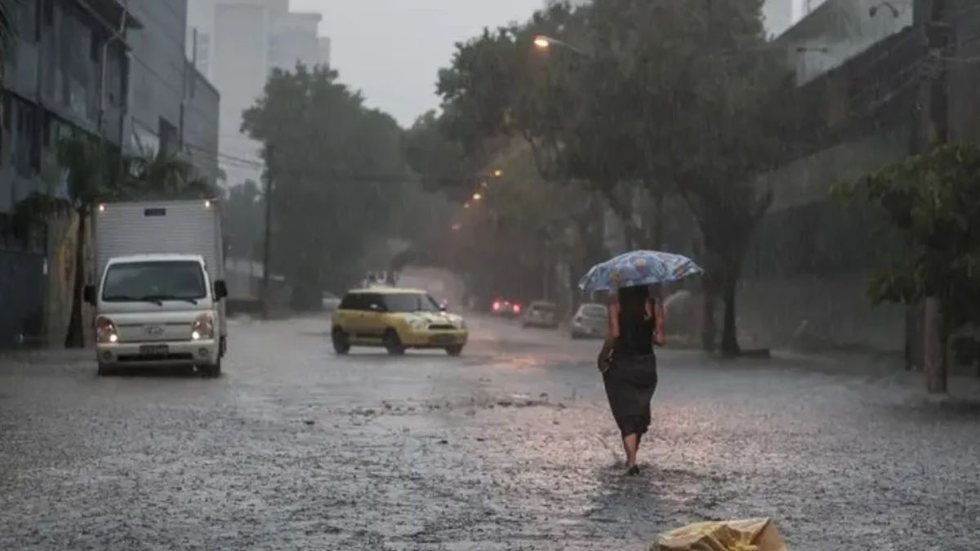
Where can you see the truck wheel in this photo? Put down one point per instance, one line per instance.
(212, 371)
(393, 344)
(341, 343)
(454, 351)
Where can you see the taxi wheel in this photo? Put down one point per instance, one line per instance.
(393, 344)
(454, 351)
(341, 344)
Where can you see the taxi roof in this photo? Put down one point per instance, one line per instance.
(387, 291)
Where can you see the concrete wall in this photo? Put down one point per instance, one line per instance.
(838, 30)
(202, 125)
(158, 75)
(21, 294)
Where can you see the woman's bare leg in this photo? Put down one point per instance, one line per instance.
(631, 443)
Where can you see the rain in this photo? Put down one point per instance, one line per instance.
(456, 274)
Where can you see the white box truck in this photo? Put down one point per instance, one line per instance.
(160, 288)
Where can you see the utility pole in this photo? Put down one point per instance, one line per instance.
(937, 126)
(267, 240)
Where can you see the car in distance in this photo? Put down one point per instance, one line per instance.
(590, 321)
(505, 308)
(541, 314)
(396, 320)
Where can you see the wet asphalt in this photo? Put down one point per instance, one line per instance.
(509, 447)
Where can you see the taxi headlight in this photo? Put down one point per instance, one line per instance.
(417, 324)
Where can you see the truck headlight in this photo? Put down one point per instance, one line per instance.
(105, 331)
(203, 327)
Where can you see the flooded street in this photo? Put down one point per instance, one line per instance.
(509, 447)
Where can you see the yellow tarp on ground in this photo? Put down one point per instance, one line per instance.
(733, 535)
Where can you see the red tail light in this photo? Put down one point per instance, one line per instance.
(517, 308)
(496, 306)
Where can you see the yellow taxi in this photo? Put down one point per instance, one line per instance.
(397, 320)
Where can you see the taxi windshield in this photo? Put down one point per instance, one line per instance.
(410, 302)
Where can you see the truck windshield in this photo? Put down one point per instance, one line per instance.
(154, 282)
(410, 303)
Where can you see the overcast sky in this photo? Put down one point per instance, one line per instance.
(391, 50)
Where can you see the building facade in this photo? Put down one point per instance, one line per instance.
(805, 277)
(110, 69)
(236, 44)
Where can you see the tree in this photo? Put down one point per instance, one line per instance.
(244, 220)
(337, 172)
(161, 175)
(932, 201)
(697, 108)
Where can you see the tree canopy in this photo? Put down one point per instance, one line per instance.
(336, 169)
(637, 99)
(932, 201)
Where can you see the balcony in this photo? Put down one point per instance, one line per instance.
(109, 13)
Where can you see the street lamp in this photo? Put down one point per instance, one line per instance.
(477, 196)
(545, 43)
(498, 173)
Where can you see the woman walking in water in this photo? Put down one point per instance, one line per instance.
(636, 324)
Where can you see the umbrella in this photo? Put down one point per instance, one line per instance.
(638, 268)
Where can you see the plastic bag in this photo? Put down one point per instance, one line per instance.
(734, 535)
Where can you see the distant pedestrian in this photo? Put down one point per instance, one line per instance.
(628, 363)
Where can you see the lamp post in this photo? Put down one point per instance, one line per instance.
(545, 43)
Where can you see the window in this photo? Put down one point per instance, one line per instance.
(594, 311)
(48, 8)
(154, 281)
(25, 19)
(353, 301)
(401, 303)
(95, 44)
(25, 145)
(168, 137)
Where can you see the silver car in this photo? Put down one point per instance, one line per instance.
(541, 314)
(590, 321)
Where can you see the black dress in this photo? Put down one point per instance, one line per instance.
(632, 379)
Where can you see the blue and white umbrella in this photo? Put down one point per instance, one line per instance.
(638, 268)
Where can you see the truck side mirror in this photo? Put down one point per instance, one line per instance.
(220, 289)
(89, 294)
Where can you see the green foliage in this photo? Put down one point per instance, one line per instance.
(337, 170)
(244, 218)
(669, 96)
(439, 161)
(163, 176)
(932, 202)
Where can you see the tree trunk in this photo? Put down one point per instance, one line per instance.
(729, 335)
(935, 343)
(708, 327)
(75, 337)
(914, 338)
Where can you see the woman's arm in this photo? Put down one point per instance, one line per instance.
(613, 332)
(659, 324)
